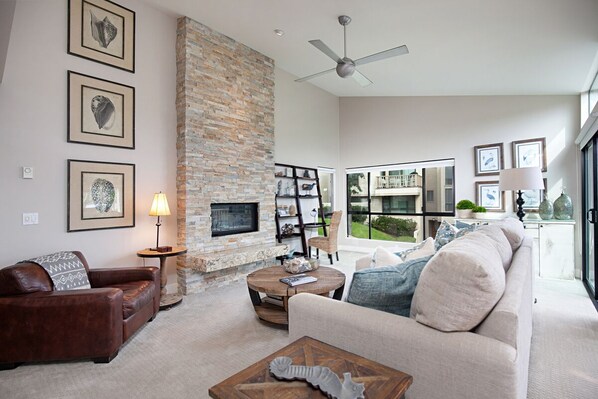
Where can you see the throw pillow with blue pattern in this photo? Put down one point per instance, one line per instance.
(389, 289)
(424, 248)
(445, 234)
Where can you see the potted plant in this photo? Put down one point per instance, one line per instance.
(479, 212)
(464, 208)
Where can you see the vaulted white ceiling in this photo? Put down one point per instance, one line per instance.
(457, 47)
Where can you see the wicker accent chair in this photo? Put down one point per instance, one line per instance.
(327, 244)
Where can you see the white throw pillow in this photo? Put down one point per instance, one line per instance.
(460, 285)
(426, 248)
(383, 257)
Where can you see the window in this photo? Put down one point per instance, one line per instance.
(399, 202)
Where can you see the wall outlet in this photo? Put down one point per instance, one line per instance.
(27, 172)
(30, 218)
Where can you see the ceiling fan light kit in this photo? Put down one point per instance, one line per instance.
(346, 67)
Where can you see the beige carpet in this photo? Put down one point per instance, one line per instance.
(213, 335)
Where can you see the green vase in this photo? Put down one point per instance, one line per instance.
(563, 207)
(545, 209)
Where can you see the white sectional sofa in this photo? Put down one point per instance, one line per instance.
(490, 361)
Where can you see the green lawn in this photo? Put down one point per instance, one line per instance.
(360, 230)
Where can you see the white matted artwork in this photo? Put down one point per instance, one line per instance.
(532, 198)
(489, 196)
(529, 153)
(488, 159)
(101, 195)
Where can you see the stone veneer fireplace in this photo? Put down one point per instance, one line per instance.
(237, 218)
(225, 154)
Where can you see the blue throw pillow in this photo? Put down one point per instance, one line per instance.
(389, 289)
(445, 234)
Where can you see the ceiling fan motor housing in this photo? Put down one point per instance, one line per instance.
(346, 68)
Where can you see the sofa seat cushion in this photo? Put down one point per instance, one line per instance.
(136, 294)
(389, 289)
(460, 285)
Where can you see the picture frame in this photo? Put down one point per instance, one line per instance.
(489, 196)
(489, 159)
(102, 31)
(532, 198)
(528, 153)
(100, 195)
(100, 112)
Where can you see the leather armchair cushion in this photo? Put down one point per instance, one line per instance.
(136, 294)
(23, 278)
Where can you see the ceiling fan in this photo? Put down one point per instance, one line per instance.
(345, 66)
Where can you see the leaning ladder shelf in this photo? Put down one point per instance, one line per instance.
(295, 175)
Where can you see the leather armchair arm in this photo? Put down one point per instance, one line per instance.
(56, 325)
(104, 277)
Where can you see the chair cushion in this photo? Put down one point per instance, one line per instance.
(136, 294)
(460, 285)
(389, 289)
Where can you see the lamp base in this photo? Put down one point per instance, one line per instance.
(162, 249)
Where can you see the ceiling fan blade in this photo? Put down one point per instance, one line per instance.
(315, 75)
(393, 52)
(361, 79)
(326, 50)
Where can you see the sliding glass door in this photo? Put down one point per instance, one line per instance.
(590, 211)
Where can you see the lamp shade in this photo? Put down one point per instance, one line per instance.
(521, 179)
(159, 205)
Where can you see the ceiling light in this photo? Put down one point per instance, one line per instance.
(278, 32)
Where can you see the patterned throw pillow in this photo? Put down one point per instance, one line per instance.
(389, 289)
(425, 248)
(445, 234)
(464, 228)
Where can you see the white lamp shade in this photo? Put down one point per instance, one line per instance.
(159, 205)
(521, 179)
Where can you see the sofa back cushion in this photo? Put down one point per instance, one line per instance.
(501, 243)
(460, 285)
(513, 230)
(389, 289)
(24, 278)
(510, 321)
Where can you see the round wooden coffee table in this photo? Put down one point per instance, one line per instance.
(274, 310)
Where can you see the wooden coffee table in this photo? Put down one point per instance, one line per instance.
(267, 281)
(381, 382)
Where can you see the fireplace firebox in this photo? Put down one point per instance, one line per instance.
(234, 218)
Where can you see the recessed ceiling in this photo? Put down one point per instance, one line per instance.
(457, 47)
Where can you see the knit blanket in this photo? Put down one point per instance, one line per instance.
(65, 269)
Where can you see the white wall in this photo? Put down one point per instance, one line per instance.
(382, 130)
(33, 132)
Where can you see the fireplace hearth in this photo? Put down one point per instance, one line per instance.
(234, 218)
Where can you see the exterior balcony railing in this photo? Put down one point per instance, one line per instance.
(398, 181)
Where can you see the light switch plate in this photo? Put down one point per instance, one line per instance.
(27, 172)
(30, 218)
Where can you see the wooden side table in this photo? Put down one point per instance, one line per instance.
(166, 300)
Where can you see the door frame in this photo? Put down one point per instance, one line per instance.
(594, 141)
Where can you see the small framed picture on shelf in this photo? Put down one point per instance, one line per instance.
(528, 153)
(532, 198)
(488, 159)
(489, 196)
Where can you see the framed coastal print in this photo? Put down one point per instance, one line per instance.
(100, 112)
(527, 153)
(102, 31)
(488, 159)
(489, 196)
(532, 198)
(101, 195)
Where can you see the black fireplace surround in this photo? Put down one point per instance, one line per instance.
(234, 218)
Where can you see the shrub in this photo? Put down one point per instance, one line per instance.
(479, 209)
(358, 218)
(465, 204)
(395, 226)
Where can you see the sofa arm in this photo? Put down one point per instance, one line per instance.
(57, 325)
(105, 277)
(443, 365)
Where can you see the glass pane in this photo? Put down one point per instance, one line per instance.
(439, 189)
(396, 191)
(589, 204)
(327, 190)
(396, 228)
(358, 226)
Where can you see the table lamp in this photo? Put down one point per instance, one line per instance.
(518, 179)
(159, 208)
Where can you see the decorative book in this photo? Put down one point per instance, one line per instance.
(298, 280)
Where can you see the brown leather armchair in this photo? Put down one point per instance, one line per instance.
(39, 324)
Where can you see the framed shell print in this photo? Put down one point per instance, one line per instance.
(527, 153)
(101, 195)
(488, 159)
(100, 112)
(102, 31)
